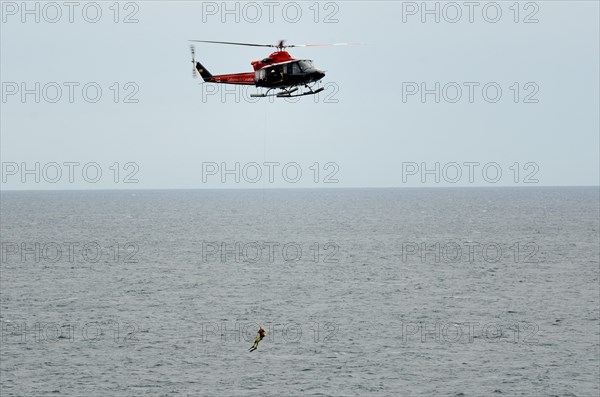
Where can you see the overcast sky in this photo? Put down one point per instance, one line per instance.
(512, 96)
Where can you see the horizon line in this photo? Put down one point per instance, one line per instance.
(527, 186)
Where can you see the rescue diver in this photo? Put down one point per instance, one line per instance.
(261, 335)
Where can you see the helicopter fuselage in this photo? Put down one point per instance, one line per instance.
(278, 70)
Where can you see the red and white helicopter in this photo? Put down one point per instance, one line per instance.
(279, 71)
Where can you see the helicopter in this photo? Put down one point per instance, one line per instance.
(279, 73)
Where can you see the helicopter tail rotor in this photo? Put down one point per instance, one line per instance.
(193, 51)
(198, 68)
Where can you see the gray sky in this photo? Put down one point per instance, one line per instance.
(371, 127)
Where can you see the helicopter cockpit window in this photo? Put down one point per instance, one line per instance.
(293, 68)
(306, 65)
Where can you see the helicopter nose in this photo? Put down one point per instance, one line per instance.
(319, 74)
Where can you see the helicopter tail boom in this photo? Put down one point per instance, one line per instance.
(236, 78)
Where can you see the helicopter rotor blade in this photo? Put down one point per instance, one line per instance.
(322, 45)
(280, 45)
(234, 43)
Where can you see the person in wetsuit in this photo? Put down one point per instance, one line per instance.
(261, 335)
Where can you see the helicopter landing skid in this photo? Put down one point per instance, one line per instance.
(287, 94)
(277, 94)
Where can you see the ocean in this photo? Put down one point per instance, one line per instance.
(362, 292)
